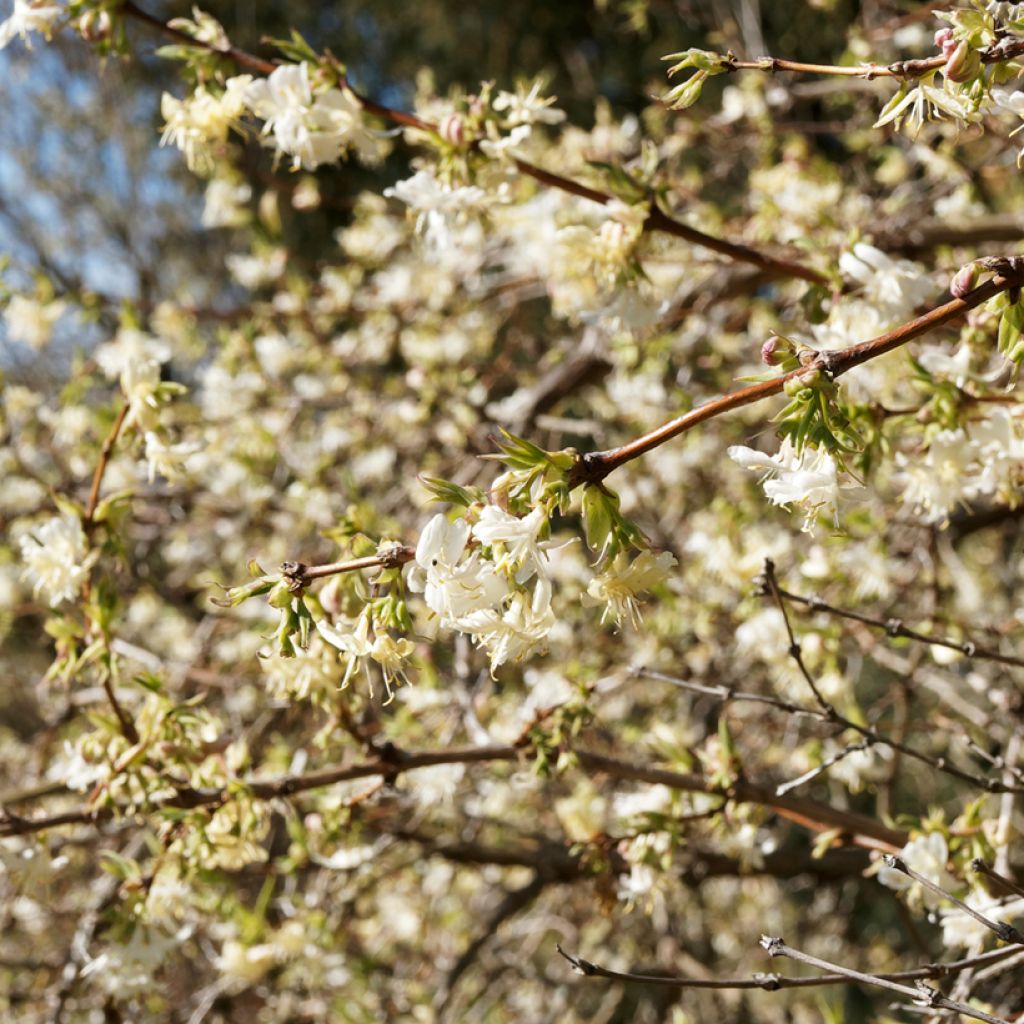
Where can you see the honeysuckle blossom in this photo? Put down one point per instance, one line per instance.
(927, 855)
(30, 321)
(809, 479)
(165, 459)
(454, 590)
(30, 16)
(961, 465)
(961, 931)
(438, 207)
(923, 102)
(618, 588)
(225, 204)
(894, 287)
(57, 558)
(527, 106)
(356, 644)
(517, 536)
(199, 124)
(313, 128)
(519, 629)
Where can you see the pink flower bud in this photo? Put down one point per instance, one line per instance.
(963, 281)
(770, 351)
(962, 64)
(945, 42)
(452, 129)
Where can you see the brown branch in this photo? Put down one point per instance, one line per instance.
(595, 466)
(101, 466)
(858, 829)
(1007, 49)
(775, 982)
(657, 221)
(300, 575)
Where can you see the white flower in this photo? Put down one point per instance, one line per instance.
(29, 16)
(313, 129)
(961, 931)
(927, 855)
(517, 535)
(57, 559)
(618, 587)
(895, 287)
(523, 626)
(925, 102)
(356, 644)
(31, 321)
(224, 205)
(454, 591)
(259, 269)
(198, 125)
(167, 460)
(501, 147)
(528, 106)
(810, 479)
(437, 207)
(129, 969)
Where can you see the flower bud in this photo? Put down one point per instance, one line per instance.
(452, 129)
(281, 596)
(962, 64)
(95, 26)
(777, 350)
(945, 42)
(963, 280)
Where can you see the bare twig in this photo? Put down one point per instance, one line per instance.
(775, 982)
(1006, 932)
(1005, 50)
(101, 466)
(979, 866)
(921, 994)
(895, 628)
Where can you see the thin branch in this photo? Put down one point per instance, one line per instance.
(300, 575)
(1006, 932)
(979, 866)
(101, 466)
(809, 776)
(656, 221)
(794, 645)
(595, 466)
(775, 982)
(858, 829)
(895, 628)
(1007, 49)
(829, 713)
(921, 994)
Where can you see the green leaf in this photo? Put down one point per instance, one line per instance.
(1010, 327)
(454, 494)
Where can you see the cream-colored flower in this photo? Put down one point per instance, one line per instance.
(618, 587)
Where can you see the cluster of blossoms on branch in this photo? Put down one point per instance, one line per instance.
(297, 432)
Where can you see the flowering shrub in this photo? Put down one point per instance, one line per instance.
(381, 636)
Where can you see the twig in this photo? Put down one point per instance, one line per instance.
(300, 575)
(894, 627)
(979, 866)
(921, 994)
(1004, 50)
(808, 776)
(829, 713)
(774, 982)
(859, 829)
(794, 645)
(595, 466)
(1006, 932)
(101, 466)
